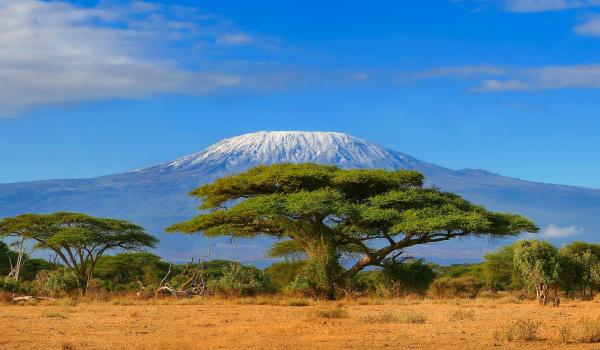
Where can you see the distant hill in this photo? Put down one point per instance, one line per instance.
(156, 197)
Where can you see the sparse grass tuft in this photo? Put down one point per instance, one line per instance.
(462, 315)
(521, 330)
(54, 314)
(296, 302)
(392, 317)
(332, 313)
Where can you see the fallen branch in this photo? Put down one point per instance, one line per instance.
(30, 297)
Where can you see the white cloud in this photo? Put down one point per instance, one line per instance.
(234, 39)
(547, 5)
(547, 78)
(462, 71)
(553, 231)
(591, 26)
(55, 52)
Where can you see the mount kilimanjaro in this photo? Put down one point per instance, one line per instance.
(156, 197)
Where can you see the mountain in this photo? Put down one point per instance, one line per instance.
(155, 197)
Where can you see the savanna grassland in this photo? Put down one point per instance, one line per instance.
(275, 323)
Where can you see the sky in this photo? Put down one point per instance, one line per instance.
(90, 88)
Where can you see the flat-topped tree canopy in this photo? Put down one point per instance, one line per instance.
(327, 210)
(77, 239)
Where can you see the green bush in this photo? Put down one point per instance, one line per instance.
(9, 285)
(396, 279)
(455, 287)
(55, 283)
(240, 280)
(283, 273)
(409, 277)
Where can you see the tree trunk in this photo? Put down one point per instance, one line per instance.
(541, 290)
(322, 272)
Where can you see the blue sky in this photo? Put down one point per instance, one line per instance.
(89, 88)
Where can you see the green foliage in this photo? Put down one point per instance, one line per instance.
(499, 271)
(286, 249)
(396, 279)
(456, 287)
(6, 254)
(328, 212)
(240, 280)
(9, 285)
(31, 267)
(78, 240)
(409, 277)
(125, 269)
(55, 282)
(284, 273)
(538, 262)
(580, 264)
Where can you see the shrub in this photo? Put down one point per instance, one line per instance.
(411, 276)
(9, 285)
(461, 315)
(521, 330)
(396, 279)
(584, 331)
(283, 273)
(240, 280)
(455, 287)
(386, 317)
(55, 283)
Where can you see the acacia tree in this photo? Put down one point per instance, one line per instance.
(78, 240)
(328, 211)
(538, 262)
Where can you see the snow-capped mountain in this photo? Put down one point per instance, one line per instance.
(296, 147)
(155, 197)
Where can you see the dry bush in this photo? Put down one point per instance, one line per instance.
(521, 330)
(392, 317)
(583, 331)
(337, 312)
(386, 317)
(461, 315)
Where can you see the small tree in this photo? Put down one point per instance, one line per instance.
(538, 262)
(580, 261)
(499, 271)
(328, 212)
(78, 240)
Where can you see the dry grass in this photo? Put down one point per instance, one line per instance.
(336, 312)
(54, 314)
(462, 315)
(394, 317)
(521, 330)
(584, 331)
(284, 323)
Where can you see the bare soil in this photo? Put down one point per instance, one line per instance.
(271, 323)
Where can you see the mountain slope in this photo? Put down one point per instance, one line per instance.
(156, 196)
